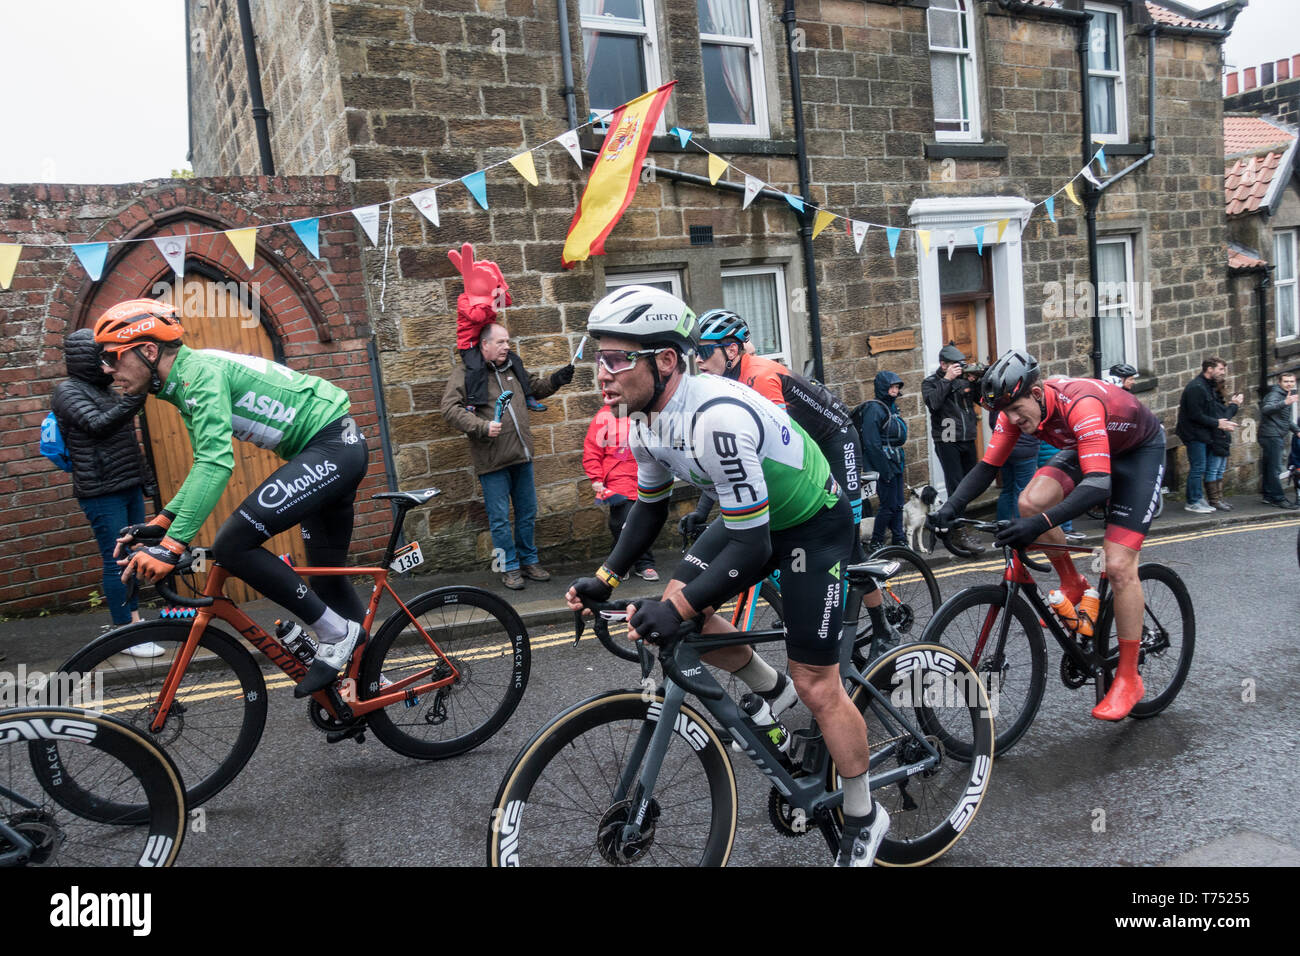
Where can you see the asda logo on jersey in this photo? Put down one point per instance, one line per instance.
(277, 492)
(267, 407)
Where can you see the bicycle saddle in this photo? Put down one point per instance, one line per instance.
(411, 498)
(868, 476)
(880, 570)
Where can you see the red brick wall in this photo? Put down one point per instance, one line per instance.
(316, 307)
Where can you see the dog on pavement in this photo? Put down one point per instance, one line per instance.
(920, 504)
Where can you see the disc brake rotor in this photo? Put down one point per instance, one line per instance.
(609, 835)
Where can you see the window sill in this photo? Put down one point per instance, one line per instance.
(1147, 384)
(736, 145)
(1124, 149)
(1286, 351)
(952, 150)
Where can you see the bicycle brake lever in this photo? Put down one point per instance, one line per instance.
(578, 626)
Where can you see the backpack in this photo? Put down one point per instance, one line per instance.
(893, 422)
(52, 444)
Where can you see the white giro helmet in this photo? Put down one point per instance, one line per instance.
(647, 316)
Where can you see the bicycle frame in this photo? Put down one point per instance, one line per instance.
(807, 793)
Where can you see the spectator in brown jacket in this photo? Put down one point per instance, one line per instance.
(501, 450)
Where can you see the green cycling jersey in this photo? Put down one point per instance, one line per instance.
(222, 396)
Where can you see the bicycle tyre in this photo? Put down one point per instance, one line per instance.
(1162, 678)
(492, 646)
(601, 730)
(1018, 691)
(924, 826)
(911, 597)
(127, 766)
(217, 695)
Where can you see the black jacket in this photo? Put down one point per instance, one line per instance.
(1198, 417)
(950, 401)
(1275, 415)
(98, 425)
(1221, 442)
(884, 433)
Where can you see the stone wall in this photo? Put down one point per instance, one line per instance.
(314, 307)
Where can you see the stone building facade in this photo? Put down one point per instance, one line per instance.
(424, 93)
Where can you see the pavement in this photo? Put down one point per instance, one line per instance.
(44, 643)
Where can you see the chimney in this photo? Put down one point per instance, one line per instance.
(1295, 65)
(1232, 83)
(1266, 74)
(1250, 79)
(1283, 69)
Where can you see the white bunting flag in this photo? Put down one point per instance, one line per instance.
(173, 250)
(752, 187)
(952, 243)
(569, 141)
(1090, 176)
(859, 233)
(426, 200)
(368, 216)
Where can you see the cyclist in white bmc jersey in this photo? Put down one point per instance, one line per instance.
(778, 500)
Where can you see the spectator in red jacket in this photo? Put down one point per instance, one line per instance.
(610, 467)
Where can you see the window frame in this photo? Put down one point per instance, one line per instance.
(672, 276)
(1290, 286)
(760, 128)
(649, 34)
(970, 71)
(782, 304)
(1129, 316)
(1118, 76)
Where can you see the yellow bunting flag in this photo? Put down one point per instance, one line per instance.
(823, 220)
(245, 243)
(8, 262)
(614, 175)
(1002, 225)
(523, 164)
(924, 236)
(1069, 191)
(717, 166)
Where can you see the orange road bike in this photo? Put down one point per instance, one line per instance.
(441, 675)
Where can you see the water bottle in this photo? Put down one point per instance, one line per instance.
(760, 713)
(1087, 611)
(1064, 609)
(295, 640)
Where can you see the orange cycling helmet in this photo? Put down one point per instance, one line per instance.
(136, 321)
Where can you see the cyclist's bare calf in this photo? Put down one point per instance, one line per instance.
(1044, 491)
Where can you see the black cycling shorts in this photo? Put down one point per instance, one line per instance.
(809, 561)
(1135, 480)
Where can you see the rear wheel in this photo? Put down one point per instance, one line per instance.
(216, 718)
(1168, 638)
(455, 630)
(910, 598)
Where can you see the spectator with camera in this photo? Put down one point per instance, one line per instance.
(950, 397)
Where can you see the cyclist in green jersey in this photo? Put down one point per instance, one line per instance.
(301, 418)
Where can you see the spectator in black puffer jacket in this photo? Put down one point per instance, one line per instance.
(108, 471)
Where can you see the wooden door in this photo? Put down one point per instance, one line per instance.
(959, 328)
(214, 318)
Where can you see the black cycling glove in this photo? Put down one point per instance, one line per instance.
(593, 590)
(656, 621)
(1022, 532)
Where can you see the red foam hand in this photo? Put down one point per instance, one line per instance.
(485, 287)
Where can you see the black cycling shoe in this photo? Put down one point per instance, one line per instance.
(330, 659)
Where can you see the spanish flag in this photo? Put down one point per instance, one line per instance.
(614, 175)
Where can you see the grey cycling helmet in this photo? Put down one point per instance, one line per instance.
(647, 316)
(1007, 379)
(1123, 370)
(718, 325)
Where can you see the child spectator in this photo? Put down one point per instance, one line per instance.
(486, 294)
(610, 467)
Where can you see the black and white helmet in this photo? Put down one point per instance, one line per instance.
(647, 316)
(1007, 379)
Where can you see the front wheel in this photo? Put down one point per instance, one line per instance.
(1168, 638)
(216, 718)
(560, 805)
(911, 597)
(930, 724)
(1014, 672)
(454, 630)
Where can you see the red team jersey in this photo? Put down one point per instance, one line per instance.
(1097, 419)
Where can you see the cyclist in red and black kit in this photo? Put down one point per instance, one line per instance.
(1112, 447)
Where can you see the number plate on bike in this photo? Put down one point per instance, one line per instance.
(407, 558)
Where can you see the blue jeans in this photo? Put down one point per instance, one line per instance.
(1196, 454)
(1272, 466)
(500, 488)
(1015, 475)
(1215, 466)
(108, 515)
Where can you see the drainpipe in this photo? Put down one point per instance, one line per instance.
(189, 90)
(260, 112)
(1263, 280)
(789, 18)
(566, 59)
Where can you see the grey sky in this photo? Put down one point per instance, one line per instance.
(94, 90)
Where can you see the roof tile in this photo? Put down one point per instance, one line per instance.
(1246, 182)
(1250, 134)
(1163, 15)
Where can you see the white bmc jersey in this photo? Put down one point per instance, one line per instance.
(722, 436)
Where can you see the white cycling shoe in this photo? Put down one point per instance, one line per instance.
(329, 660)
(147, 649)
(859, 842)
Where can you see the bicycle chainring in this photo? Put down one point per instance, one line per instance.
(609, 835)
(1072, 675)
(39, 827)
(786, 820)
(327, 722)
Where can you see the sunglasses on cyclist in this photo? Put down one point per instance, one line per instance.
(110, 360)
(614, 361)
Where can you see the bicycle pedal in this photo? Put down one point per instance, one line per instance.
(356, 733)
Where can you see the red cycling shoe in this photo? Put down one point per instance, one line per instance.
(1126, 690)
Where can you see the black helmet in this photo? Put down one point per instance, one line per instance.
(1007, 379)
(1123, 370)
